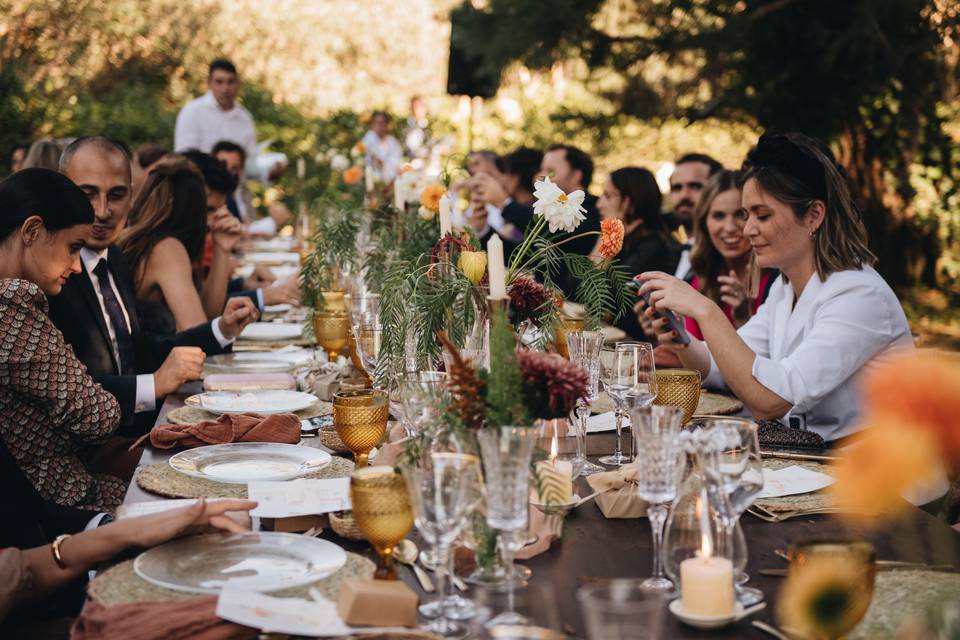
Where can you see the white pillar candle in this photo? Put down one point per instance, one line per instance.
(399, 201)
(301, 168)
(445, 224)
(498, 276)
(556, 482)
(706, 586)
(368, 177)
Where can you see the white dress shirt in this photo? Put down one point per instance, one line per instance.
(387, 150)
(811, 354)
(146, 395)
(202, 123)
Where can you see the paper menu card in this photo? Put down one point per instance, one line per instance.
(299, 497)
(603, 422)
(293, 616)
(792, 480)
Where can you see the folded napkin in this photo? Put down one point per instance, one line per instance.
(236, 427)
(249, 381)
(618, 497)
(546, 528)
(193, 618)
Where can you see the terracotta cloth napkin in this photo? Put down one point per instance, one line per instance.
(193, 618)
(236, 427)
(618, 497)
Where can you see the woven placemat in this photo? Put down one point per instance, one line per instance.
(713, 404)
(163, 480)
(120, 584)
(902, 595)
(814, 500)
(192, 415)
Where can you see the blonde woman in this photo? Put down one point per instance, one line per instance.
(828, 316)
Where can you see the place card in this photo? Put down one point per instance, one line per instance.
(603, 422)
(792, 480)
(299, 497)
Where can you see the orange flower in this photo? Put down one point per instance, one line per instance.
(611, 237)
(920, 391)
(430, 196)
(353, 175)
(890, 460)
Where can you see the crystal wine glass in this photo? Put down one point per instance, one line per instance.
(741, 470)
(656, 429)
(644, 391)
(584, 350)
(618, 373)
(439, 497)
(506, 453)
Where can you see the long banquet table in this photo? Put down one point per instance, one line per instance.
(593, 547)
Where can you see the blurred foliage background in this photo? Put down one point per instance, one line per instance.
(631, 81)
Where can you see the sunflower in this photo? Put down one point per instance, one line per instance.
(825, 596)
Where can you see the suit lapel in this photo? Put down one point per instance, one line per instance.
(90, 297)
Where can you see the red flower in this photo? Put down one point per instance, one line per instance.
(529, 299)
(552, 384)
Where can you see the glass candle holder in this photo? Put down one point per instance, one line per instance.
(360, 419)
(382, 511)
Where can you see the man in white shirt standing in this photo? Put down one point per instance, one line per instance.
(217, 116)
(383, 152)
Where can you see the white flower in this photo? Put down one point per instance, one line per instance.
(563, 212)
(339, 162)
(411, 184)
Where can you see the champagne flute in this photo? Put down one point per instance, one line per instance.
(644, 390)
(584, 350)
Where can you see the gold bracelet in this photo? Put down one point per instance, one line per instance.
(55, 547)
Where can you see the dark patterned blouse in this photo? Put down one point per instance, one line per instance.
(51, 411)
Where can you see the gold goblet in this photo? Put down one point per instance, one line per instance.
(332, 331)
(381, 509)
(679, 388)
(567, 325)
(829, 587)
(360, 419)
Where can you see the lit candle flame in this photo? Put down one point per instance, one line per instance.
(553, 448)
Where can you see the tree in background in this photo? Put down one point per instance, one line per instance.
(874, 77)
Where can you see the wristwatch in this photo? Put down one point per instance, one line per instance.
(55, 547)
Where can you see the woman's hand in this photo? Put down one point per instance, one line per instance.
(732, 291)
(150, 530)
(668, 292)
(226, 230)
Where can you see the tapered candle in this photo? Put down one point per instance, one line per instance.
(498, 276)
(399, 201)
(368, 175)
(301, 168)
(445, 224)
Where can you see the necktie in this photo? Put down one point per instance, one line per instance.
(115, 315)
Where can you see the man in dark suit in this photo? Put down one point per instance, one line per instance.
(96, 310)
(571, 169)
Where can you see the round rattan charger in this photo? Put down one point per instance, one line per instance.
(192, 415)
(163, 480)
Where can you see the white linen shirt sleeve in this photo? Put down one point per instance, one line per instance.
(842, 333)
(755, 332)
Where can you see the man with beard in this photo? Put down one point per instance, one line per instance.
(691, 171)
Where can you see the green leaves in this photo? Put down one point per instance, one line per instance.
(505, 389)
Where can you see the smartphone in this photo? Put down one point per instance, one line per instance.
(675, 325)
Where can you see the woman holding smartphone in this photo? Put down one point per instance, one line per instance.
(828, 316)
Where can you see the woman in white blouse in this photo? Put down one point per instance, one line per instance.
(827, 317)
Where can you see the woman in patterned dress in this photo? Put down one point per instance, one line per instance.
(52, 414)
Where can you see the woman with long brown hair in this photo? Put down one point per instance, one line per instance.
(721, 258)
(164, 244)
(827, 317)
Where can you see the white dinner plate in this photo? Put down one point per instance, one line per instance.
(262, 402)
(278, 308)
(243, 462)
(272, 257)
(262, 562)
(272, 331)
(257, 361)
